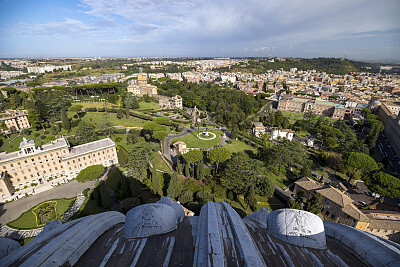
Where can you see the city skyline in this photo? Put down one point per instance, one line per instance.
(360, 30)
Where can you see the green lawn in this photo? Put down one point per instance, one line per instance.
(302, 134)
(92, 104)
(192, 141)
(89, 207)
(28, 219)
(281, 180)
(146, 106)
(98, 117)
(292, 113)
(239, 146)
(159, 163)
(272, 203)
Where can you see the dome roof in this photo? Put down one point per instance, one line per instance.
(297, 227)
(150, 219)
(180, 213)
(259, 216)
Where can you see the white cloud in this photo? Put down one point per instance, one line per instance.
(68, 27)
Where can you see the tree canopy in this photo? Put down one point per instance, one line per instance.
(218, 155)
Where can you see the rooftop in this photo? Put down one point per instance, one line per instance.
(218, 237)
(89, 147)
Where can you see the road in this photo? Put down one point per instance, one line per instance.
(12, 210)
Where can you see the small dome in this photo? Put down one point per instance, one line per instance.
(297, 227)
(259, 216)
(150, 219)
(7, 246)
(176, 206)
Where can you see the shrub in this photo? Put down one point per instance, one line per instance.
(46, 132)
(43, 137)
(90, 173)
(36, 134)
(90, 109)
(185, 197)
(113, 180)
(118, 139)
(204, 196)
(85, 192)
(34, 184)
(129, 203)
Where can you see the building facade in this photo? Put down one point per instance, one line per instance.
(302, 105)
(391, 121)
(336, 205)
(174, 102)
(15, 119)
(140, 87)
(41, 164)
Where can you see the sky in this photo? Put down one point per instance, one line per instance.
(355, 29)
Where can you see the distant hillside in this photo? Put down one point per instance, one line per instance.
(328, 65)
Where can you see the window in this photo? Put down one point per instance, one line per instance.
(25, 178)
(12, 165)
(18, 180)
(84, 158)
(19, 163)
(32, 159)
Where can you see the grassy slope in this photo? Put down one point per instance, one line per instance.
(239, 146)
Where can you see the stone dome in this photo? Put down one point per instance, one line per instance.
(297, 227)
(180, 213)
(150, 219)
(259, 216)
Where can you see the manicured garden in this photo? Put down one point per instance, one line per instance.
(235, 146)
(44, 212)
(192, 141)
(112, 118)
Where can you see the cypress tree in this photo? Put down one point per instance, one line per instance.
(187, 171)
(154, 180)
(96, 195)
(175, 186)
(106, 201)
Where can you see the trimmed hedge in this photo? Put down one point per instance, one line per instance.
(90, 173)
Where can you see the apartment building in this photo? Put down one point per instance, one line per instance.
(391, 121)
(33, 164)
(140, 87)
(174, 102)
(302, 105)
(15, 119)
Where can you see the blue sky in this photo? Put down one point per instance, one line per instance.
(357, 29)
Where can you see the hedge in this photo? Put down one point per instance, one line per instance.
(90, 173)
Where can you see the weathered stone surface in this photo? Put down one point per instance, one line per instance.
(7, 246)
(50, 226)
(150, 219)
(259, 216)
(372, 249)
(297, 227)
(180, 213)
